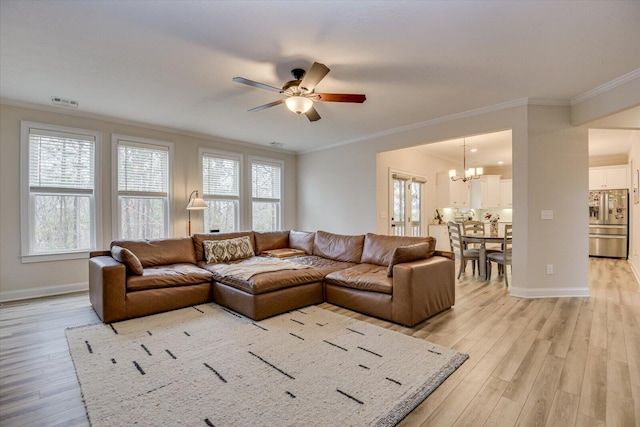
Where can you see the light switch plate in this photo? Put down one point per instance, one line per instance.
(546, 214)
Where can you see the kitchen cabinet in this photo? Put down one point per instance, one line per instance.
(451, 194)
(506, 193)
(458, 194)
(608, 178)
(441, 235)
(485, 192)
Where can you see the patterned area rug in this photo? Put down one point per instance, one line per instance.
(205, 365)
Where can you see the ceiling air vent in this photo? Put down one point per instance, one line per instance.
(66, 103)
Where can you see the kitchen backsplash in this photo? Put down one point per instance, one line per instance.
(451, 214)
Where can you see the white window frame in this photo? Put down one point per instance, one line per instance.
(275, 162)
(409, 178)
(26, 201)
(116, 141)
(202, 152)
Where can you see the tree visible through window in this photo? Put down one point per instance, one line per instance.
(221, 191)
(61, 181)
(265, 192)
(143, 190)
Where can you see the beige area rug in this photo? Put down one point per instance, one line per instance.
(208, 366)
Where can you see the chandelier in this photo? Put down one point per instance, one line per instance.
(469, 174)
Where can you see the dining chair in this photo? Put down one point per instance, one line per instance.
(472, 227)
(460, 250)
(502, 258)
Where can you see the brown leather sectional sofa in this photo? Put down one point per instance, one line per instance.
(365, 273)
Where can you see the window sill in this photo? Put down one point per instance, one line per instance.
(27, 259)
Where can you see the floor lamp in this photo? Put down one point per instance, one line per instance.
(195, 204)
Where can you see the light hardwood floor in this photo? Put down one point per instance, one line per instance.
(546, 362)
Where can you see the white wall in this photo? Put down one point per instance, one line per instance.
(557, 157)
(634, 214)
(335, 188)
(18, 280)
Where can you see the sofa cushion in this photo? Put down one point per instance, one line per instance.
(410, 253)
(128, 258)
(200, 238)
(271, 240)
(167, 276)
(302, 240)
(262, 283)
(365, 277)
(338, 247)
(378, 249)
(228, 250)
(155, 252)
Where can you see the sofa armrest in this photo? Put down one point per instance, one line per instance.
(422, 288)
(99, 253)
(107, 288)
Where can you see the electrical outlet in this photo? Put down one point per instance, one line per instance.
(549, 268)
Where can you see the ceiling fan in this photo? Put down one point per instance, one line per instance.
(300, 92)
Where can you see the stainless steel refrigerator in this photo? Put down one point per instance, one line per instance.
(609, 223)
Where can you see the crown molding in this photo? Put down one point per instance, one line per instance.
(549, 102)
(148, 126)
(427, 123)
(606, 87)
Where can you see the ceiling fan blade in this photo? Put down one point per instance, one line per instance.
(312, 115)
(256, 84)
(265, 106)
(339, 97)
(313, 76)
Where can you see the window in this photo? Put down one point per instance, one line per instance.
(142, 186)
(221, 190)
(266, 187)
(59, 191)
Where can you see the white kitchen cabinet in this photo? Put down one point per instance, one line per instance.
(442, 237)
(485, 192)
(608, 178)
(506, 193)
(458, 194)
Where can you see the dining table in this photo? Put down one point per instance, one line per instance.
(483, 239)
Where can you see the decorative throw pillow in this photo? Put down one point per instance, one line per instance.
(128, 258)
(409, 253)
(227, 250)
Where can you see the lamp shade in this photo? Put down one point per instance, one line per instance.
(299, 104)
(197, 204)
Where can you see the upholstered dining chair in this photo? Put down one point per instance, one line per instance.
(502, 258)
(460, 250)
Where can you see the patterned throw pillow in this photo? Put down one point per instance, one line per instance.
(227, 250)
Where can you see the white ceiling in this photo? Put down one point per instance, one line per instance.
(171, 63)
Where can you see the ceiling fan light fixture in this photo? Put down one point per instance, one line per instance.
(299, 104)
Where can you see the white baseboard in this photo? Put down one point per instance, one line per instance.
(45, 291)
(635, 273)
(548, 292)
